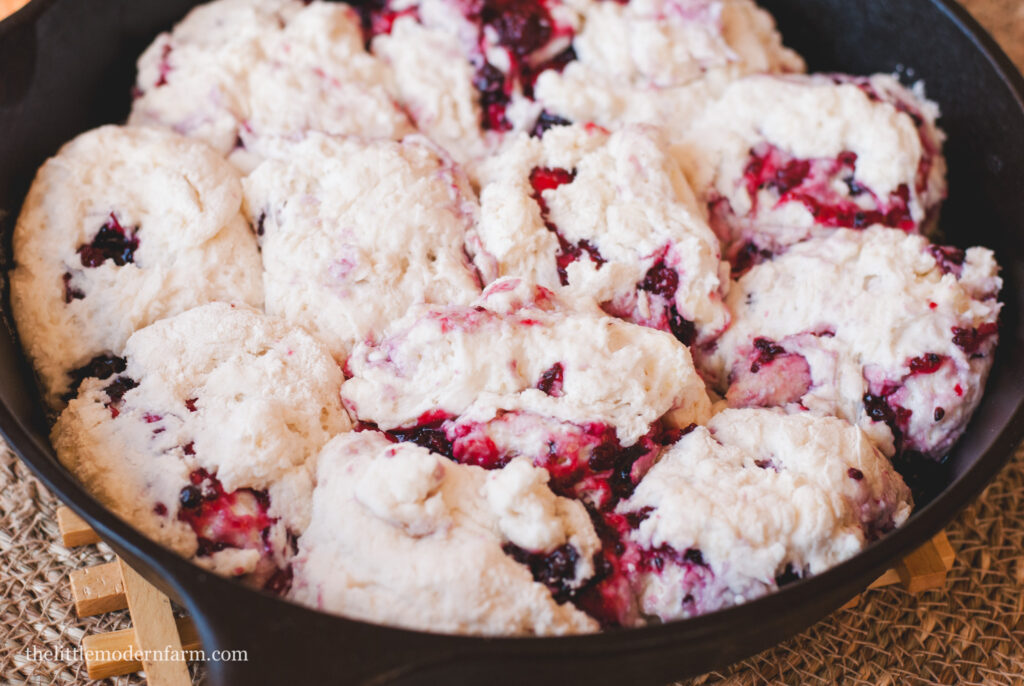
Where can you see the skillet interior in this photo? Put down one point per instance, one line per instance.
(67, 66)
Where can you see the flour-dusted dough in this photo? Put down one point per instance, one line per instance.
(876, 326)
(733, 509)
(609, 216)
(468, 74)
(355, 232)
(489, 358)
(524, 373)
(660, 61)
(402, 536)
(224, 401)
(124, 226)
(465, 71)
(237, 72)
(778, 159)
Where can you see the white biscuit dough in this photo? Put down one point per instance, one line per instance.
(402, 536)
(658, 61)
(227, 390)
(755, 495)
(235, 73)
(609, 216)
(123, 227)
(355, 232)
(780, 159)
(489, 358)
(875, 313)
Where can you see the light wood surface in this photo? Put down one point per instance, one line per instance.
(155, 630)
(119, 643)
(98, 590)
(73, 529)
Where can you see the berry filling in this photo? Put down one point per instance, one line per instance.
(546, 121)
(949, 259)
(746, 256)
(100, 367)
(608, 596)
(656, 559)
(928, 363)
(584, 462)
(165, 66)
(551, 380)
(556, 570)
(971, 339)
(769, 377)
(550, 178)
(662, 282)
(593, 466)
(71, 292)
(222, 520)
(117, 388)
(765, 353)
(811, 183)
(522, 26)
(530, 38)
(427, 433)
(879, 409)
(112, 242)
(378, 18)
(882, 406)
(495, 94)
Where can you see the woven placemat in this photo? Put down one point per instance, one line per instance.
(972, 632)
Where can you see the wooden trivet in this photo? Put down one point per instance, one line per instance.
(156, 634)
(114, 586)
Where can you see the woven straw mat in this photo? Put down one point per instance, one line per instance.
(971, 632)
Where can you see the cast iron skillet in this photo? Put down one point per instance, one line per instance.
(67, 66)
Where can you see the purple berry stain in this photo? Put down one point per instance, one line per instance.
(550, 178)
(112, 242)
(71, 292)
(809, 182)
(766, 352)
(662, 281)
(551, 380)
(220, 519)
(546, 121)
(556, 569)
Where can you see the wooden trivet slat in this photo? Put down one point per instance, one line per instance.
(74, 531)
(116, 642)
(115, 586)
(98, 590)
(156, 634)
(155, 629)
(922, 570)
